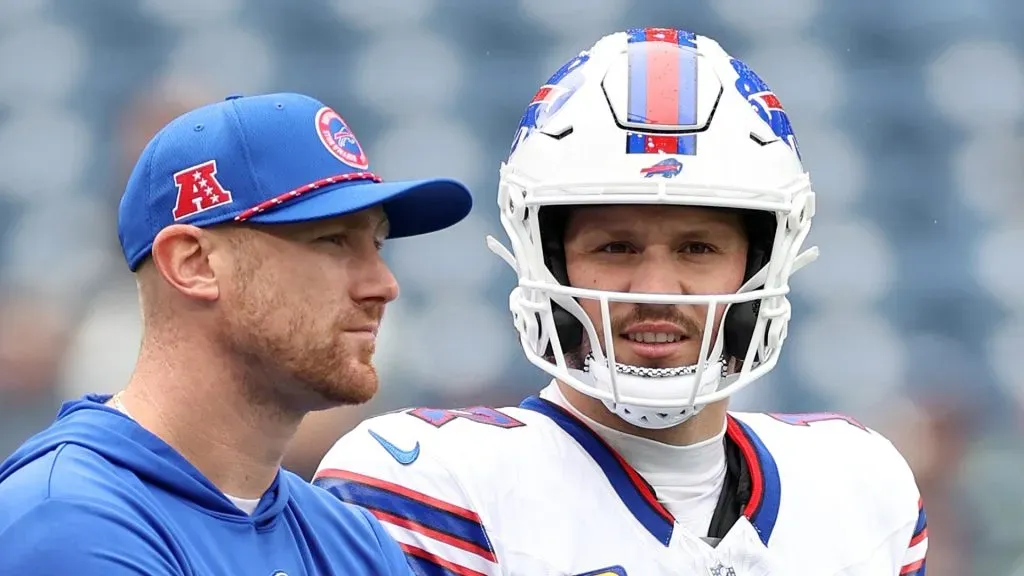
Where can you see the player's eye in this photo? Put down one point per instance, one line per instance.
(698, 248)
(338, 239)
(617, 248)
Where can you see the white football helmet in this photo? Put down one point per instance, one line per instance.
(654, 116)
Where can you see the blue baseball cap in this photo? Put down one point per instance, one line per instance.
(272, 158)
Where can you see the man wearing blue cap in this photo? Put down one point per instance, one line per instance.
(254, 227)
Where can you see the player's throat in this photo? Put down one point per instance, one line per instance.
(687, 479)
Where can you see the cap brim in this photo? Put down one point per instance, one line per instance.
(413, 207)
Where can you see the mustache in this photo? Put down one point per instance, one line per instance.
(657, 313)
(363, 314)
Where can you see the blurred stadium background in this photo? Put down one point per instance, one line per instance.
(909, 114)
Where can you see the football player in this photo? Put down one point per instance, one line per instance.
(656, 206)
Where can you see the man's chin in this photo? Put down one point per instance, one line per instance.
(357, 385)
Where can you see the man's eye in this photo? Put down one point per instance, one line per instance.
(616, 248)
(698, 248)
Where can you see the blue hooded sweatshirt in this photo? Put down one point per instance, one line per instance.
(95, 494)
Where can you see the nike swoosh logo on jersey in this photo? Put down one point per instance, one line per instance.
(404, 457)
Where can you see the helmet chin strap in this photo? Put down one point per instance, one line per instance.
(641, 381)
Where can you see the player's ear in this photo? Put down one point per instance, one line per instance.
(182, 255)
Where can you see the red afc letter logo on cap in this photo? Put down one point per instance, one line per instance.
(199, 190)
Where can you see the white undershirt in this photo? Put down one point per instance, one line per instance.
(687, 479)
(247, 505)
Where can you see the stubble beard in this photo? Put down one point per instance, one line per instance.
(306, 365)
(334, 373)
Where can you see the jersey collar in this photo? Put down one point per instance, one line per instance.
(762, 509)
(637, 495)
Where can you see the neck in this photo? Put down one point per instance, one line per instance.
(204, 407)
(707, 424)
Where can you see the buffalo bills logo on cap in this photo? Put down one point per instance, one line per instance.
(667, 168)
(338, 138)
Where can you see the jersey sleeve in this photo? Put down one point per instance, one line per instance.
(60, 537)
(899, 486)
(900, 494)
(917, 549)
(905, 494)
(419, 501)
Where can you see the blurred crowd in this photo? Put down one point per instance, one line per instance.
(909, 115)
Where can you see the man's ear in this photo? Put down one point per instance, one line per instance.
(182, 255)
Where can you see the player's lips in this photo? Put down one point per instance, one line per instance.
(654, 332)
(654, 340)
(366, 330)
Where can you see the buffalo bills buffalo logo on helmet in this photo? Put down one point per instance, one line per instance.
(765, 103)
(550, 98)
(338, 138)
(667, 168)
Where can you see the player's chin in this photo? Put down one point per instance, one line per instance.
(356, 383)
(363, 385)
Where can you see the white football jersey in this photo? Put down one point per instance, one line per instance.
(532, 490)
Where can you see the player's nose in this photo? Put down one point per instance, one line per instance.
(375, 281)
(656, 273)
